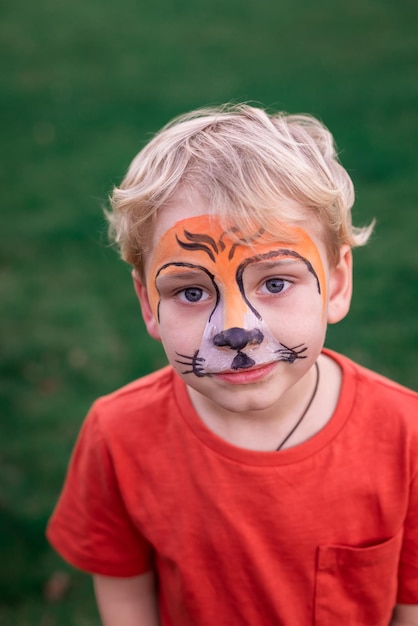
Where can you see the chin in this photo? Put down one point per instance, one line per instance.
(241, 399)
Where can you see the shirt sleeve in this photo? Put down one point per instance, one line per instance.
(408, 566)
(90, 527)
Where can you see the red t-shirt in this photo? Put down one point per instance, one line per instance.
(322, 533)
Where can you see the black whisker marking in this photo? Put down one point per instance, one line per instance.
(290, 355)
(194, 362)
(192, 358)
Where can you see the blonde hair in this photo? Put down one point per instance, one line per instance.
(248, 166)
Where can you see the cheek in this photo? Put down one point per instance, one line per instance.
(295, 316)
(179, 331)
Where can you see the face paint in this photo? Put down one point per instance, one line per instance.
(200, 257)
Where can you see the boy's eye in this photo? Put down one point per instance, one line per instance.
(274, 285)
(192, 294)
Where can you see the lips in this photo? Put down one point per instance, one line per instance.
(246, 376)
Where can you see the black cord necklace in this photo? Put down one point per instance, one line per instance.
(306, 409)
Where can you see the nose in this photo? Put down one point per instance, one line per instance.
(238, 338)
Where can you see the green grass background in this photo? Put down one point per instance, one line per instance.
(83, 86)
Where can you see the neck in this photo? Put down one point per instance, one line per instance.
(262, 429)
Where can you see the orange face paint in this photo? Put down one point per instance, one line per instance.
(202, 241)
(201, 256)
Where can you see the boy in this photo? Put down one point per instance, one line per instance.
(259, 479)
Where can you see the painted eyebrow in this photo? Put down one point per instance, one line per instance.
(192, 271)
(195, 270)
(187, 275)
(274, 255)
(283, 262)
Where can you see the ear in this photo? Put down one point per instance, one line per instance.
(340, 286)
(147, 314)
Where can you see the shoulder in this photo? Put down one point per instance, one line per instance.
(378, 386)
(378, 398)
(143, 399)
(382, 390)
(380, 420)
(149, 388)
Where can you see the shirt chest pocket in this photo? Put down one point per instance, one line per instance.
(357, 586)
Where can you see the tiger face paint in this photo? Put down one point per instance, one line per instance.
(235, 297)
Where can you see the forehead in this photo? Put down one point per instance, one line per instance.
(204, 236)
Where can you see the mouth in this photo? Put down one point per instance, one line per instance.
(246, 376)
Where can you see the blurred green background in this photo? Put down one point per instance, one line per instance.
(83, 86)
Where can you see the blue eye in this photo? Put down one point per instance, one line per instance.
(275, 285)
(192, 294)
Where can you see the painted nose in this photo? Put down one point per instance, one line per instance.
(238, 338)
